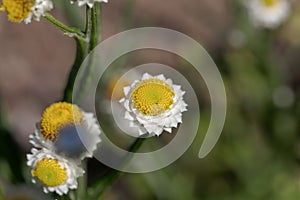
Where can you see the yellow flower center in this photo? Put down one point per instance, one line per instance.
(57, 116)
(17, 10)
(269, 3)
(50, 172)
(152, 96)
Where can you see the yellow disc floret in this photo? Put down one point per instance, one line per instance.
(152, 96)
(57, 116)
(17, 10)
(270, 3)
(50, 172)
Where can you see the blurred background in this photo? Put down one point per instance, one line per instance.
(258, 154)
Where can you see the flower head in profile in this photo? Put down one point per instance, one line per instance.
(68, 131)
(26, 10)
(268, 13)
(154, 104)
(90, 3)
(53, 172)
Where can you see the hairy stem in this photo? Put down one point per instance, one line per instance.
(71, 31)
(81, 53)
(93, 32)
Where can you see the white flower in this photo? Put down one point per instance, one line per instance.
(74, 133)
(268, 13)
(38, 10)
(90, 3)
(54, 172)
(25, 10)
(153, 104)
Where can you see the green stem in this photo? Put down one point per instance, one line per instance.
(93, 32)
(82, 183)
(84, 47)
(81, 53)
(96, 26)
(88, 20)
(99, 188)
(85, 43)
(72, 31)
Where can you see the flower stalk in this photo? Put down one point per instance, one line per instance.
(85, 42)
(71, 31)
(93, 32)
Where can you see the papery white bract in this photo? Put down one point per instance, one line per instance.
(153, 104)
(38, 10)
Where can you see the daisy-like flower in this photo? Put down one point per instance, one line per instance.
(90, 3)
(53, 172)
(26, 10)
(154, 104)
(268, 13)
(67, 130)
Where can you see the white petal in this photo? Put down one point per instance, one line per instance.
(161, 77)
(168, 130)
(126, 90)
(146, 76)
(126, 105)
(128, 116)
(158, 131)
(142, 132)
